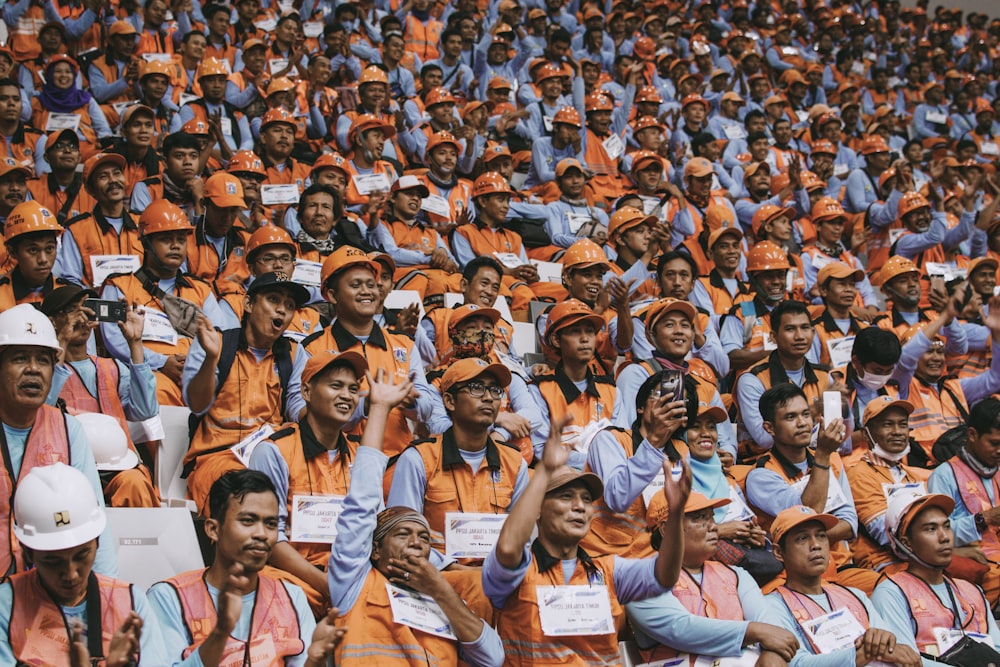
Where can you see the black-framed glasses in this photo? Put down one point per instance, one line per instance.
(478, 389)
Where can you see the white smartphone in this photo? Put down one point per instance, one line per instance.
(831, 407)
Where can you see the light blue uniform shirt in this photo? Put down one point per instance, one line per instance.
(136, 386)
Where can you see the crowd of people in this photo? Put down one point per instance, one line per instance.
(698, 348)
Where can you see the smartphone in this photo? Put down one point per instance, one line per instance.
(831, 407)
(107, 311)
(672, 385)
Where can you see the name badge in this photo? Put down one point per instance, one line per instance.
(187, 98)
(916, 489)
(948, 637)
(895, 235)
(307, 273)
(789, 51)
(418, 612)
(989, 148)
(737, 510)
(576, 221)
(572, 611)
(834, 631)
(748, 658)
(157, 57)
(549, 272)
(369, 183)
(803, 117)
(840, 350)
(157, 328)
(119, 107)
(62, 121)
(244, 448)
(276, 65)
(840, 169)
(227, 126)
(734, 132)
(819, 261)
(267, 25)
(834, 494)
(948, 271)
(102, 266)
(508, 259)
(437, 205)
(314, 518)
(296, 336)
(279, 193)
(312, 29)
(614, 146)
(547, 122)
(471, 534)
(936, 117)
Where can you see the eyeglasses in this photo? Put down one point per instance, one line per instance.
(276, 259)
(478, 389)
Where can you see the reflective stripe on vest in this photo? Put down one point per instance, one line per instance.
(972, 489)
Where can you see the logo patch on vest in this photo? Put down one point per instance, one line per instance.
(399, 354)
(61, 518)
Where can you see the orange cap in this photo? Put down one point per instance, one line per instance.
(796, 516)
(880, 404)
(343, 258)
(660, 308)
(658, 510)
(698, 167)
(99, 160)
(468, 369)
(568, 163)
(494, 151)
(569, 313)
(323, 360)
(225, 190)
(839, 270)
(625, 219)
(122, 28)
(714, 237)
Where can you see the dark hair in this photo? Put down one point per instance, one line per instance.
(668, 257)
(778, 396)
(985, 416)
(787, 307)
(965, 144)
(753, 115)
(877, 345)
(189, 35)
(211, 10)
(620, 202)
(473, 267)
(236, 484)
(291, 16)
(755, 136)
(8, 82)
(450, 32)
(622, 56)
(699, 141)
(16, 242)
(428, 68)
(318, 188)
(560, 34)
(180, 140)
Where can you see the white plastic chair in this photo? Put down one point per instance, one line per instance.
(170, 459)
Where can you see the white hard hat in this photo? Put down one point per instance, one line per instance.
(55, 508)
(108, 442)
(26, 325)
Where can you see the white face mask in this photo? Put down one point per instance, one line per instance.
(881, 453)
(873, 382)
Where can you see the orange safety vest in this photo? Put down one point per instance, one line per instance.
(416, 236)
(249, 399)
(24, 34)
(294, 172)
(79, 399)
(311, 473)
(225, 52)
(562, 397)
(49, 194)
(619, 533)
(722, 300)
(458, 199)
(274, 633)
(47, 443)
(485, 241)
(697, 214)
(354, 196)
(37, 632)
(827, 330)
(86, 131)
(92, 38)
(936, 408)
(804, 608)
(440, 317)
(154, 41)
(606, 182)
(717, 597)
(374, 637)
(972, 490)
(928, 613)
(520, 628)
(12, 294)
(147, 166)
(203, 260)
(21, 145)
(754, 316)
(111, 74)
(94, 235)
(421, 38)
(384, 350)
(452, 486)
(972, 364)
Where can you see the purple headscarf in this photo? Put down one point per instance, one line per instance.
(62, 100)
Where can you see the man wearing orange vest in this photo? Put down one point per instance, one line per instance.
(216, 249)
(378, 556)
(422, 31)
(534, 585)
(369, 175)
(277, 139)
(87, 383)
(31, 235)
(464, 470)
(919, 601)
(35, 434)
(793, 474)
(57, 520)
(714, 610)
(237, 381)
(234, 609)
(114, 74)
(802, 543)
(62, 190)
(604, 145)
(20, 140)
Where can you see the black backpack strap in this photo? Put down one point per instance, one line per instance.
(283, 356)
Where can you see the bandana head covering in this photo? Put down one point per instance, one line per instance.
(391, 517)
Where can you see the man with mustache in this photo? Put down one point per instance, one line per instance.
(277, 139)
(233, 609)
(109, 229)
(13, 186)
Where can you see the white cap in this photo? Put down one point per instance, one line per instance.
(904, 503)
(108, 442)
(26, 325)
(55, 508)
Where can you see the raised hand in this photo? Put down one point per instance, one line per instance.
(209, 338)
(125, 642)
(134, 322)
(383, 390)
(556, 454)
(676, 491)
(325, 638)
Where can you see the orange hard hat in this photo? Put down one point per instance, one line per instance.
(331, 161)
(896, 266)
(598, 102)
(548, 72)
(644, 48)
(765, 214)
(568, 116)
(910, 202)
(584, 254)
(28, 217)
(767, 256)
(823, 146)
(163, 216)
(269, 235)
(568, 313)
(246, 161)
(279, 84)
(366, 122)
(827, 208)
(438, 95)
(442, 139)
(626, 218)
(155, 67)
(344, 258)
(279, 115)
(212, 67)
(372, 74)
(489, 183)
(648, 94)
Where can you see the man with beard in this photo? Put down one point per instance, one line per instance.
(236, 381)
(277, 139)
(138, 129)
(61, 190)
(210, 612)
(109, 229)
(180, 182)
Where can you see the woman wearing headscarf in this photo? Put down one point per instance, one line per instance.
(60, 99)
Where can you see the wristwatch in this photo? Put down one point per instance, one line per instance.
(980, 522)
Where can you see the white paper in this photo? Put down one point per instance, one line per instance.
(157, 57)
(508, 259)
(614, 146)
(834, 494)
(244, 448)
(312, 29)
(369, 183)
(418, 612)
(834, 631)
(437, 205)
(227, 126)
(789, 51)
(103, 266)
(307, 273)
(157, 328)
(948, 637)
(989, 148)
(840, 169)
(547, 122)
(314, 518)
(276, 65)
(947, 270)
(279, 193)
(549, 272)
(936, 117)
(62, 121)
(748, 658)
(576, 221)
(737, 510)
(119, 107)
(471, 534)
(840, 350)
(734, 132)
(769, 344)
(915, 489)
(895, 234)
(570, 611)
(588, 433)
(188, 97)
